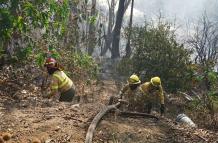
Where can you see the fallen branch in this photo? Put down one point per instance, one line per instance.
(186, 96)
(196, 94)
(137, 114)
(206, 140)
(97, 119)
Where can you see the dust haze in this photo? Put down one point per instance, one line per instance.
(182, 11)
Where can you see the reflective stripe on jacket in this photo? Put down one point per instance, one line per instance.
(61, 82)
(152, 92)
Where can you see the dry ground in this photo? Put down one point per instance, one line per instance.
(33, 117)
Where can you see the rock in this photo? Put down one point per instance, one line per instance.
(75, 125)
(9, 129)
(36, 140)
(75, 106)
(49, 140)
(24, 105)
(6, 136)
(182, 118)
(48, 117)
(1, 140)
(57, 128)
(26, 125)
(82, 125)
(139, 131)
(36, 121)
(24, 91)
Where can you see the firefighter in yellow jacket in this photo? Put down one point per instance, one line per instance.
(60, 82)
(153, 92)
(133, 94)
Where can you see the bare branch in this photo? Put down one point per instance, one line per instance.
(205, 42)
(109, 5)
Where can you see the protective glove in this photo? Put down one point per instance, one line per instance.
(162, 109)
(147, 107)
(44, 95)
(47, 96)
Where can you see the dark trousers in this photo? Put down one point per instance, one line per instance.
(67, 96)
(148, 107)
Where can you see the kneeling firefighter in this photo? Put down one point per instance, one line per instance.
(154, 92)
(133, 94)
(60, 82)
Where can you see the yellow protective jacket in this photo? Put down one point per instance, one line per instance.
(153, 93)
(61, 82)
(135, 98)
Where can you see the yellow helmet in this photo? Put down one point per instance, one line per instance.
(155, 81)
(134, 79)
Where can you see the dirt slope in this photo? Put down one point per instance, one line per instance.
(28, 116)
(48, 120)
(37, 117)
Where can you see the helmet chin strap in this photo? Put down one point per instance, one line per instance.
(133, 86)
(51, 70)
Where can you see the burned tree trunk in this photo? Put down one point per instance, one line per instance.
(91, 41)
(108, 37)
(115, 51)
(128, 48)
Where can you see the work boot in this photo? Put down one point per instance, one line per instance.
(148, 108)
(85, 99)
(76, 99)
(111, 100)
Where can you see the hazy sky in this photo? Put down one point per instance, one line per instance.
(185, 13)
(182, 10)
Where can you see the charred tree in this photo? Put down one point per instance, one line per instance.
(115, 51)
(109, 36)
(128, 47)
(92, 38)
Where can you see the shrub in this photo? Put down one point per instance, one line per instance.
(157, 53)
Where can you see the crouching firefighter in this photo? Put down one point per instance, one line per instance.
(60, 82)
(153, 92)
(132, 95)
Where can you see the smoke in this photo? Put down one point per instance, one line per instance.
(181, 10)
(185, 14)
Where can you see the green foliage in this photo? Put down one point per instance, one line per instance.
(6, 22)
(24, 53)
(194, 105)
(23, 19)
(124, 66)
(157, 53)
(40, 58)
(213, 81)
(40, 29)
(204, 76)
(92, 19)
(213, 77)
(86, 64)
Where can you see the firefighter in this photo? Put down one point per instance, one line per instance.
(60, 82)
(133, 94)
(153, 92)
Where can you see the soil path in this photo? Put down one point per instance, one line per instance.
(34, 117)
